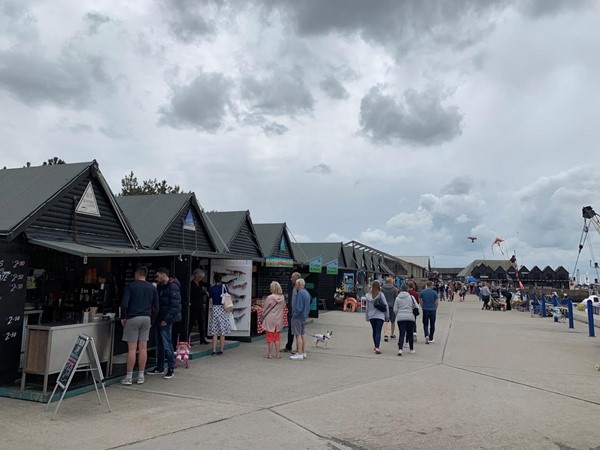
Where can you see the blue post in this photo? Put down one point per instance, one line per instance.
(554, 300)
(543, 306)
(590, 309)
(570, 309)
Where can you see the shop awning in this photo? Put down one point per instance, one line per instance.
(97, 251)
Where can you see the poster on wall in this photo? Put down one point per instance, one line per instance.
(237, 276)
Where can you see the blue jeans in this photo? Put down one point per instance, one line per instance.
(376, 325)
(164, 344)
(429, 323)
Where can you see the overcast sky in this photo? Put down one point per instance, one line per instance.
(406, 125)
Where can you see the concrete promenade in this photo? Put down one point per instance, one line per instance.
(492, 380)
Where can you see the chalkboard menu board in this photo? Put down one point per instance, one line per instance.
(13, 285)
(72, 361)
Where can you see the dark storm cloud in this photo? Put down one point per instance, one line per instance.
(417, 118)
(201, 105)
(190, 21)
(68, 80)
(95, 20)
(333, 88)
(398, 24)
(458, 186)
(541, 8)
(320, 168)
(274, 129)
(281, 94)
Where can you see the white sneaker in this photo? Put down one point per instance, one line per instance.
(413, 352)
(304, 355)
(406, 345)
(415, 337)
(427, 339)
(297, 357)
(431, 341)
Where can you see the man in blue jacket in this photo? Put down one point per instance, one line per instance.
(169, 312)
(300, 310)
(429, 299)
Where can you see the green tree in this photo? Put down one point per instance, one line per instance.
(131, 186)
(53, 161)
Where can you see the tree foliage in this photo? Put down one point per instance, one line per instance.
(131, 186)
(53, 161)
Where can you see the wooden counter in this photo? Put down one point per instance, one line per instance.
(48, 347)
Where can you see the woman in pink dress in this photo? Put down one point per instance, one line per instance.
(273, 318)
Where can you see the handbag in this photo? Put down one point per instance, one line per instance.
(380, 304)
(226, 300)
(416, 310)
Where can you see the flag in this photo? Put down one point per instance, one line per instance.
(188, 222)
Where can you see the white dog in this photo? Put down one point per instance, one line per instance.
(323, 338)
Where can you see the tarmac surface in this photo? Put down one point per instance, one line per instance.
(491, 380)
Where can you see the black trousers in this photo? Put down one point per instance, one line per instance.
(197, 316)
(290, 340)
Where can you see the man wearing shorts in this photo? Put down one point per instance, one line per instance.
(300, 310)
(139, 304)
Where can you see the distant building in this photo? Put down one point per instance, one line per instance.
(416, 266)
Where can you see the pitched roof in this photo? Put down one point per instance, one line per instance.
(305, 251)
(228, 224)
(268, 235)
(151, 215)
(26, 190)
(421, 261)
(491, 263)
(349, 257)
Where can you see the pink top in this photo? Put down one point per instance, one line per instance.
(274, 319)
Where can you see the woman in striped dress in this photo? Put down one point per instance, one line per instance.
(219, 323)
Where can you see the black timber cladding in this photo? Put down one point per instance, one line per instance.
(177, 238)
(277, 252)
(58, 222)
(244, 242)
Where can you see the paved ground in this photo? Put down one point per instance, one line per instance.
(492, 380)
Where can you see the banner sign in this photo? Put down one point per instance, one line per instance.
(332, 267)
(279, 262)
(315, 265)
(188, 222)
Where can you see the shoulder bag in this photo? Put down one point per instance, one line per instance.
(416, 310)
(380, 304)
(226, 300)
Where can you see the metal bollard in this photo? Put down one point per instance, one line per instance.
(543, 306)
(590, 309)
(570, 309)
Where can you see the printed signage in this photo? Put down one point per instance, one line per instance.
(315, 265)
(332, 267)
(279, 262)
(88, 204)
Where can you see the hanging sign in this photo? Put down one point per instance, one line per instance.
(279, 262)
(315, 265)
(282, 244)
(88, 204)
(332, 267)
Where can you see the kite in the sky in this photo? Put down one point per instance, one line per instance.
(498, 241)
(473, 238)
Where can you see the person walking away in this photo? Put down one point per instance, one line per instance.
(485, 295)
(412, 291)
(290, 300)
(462, 293)
(374, 316)
(508, 296)
(219, 324)
(139, 304)
(429, 303)
(390, 292)
(169, 312)
(300, 310)
(198, 303)
(273, 318)
(403, 309)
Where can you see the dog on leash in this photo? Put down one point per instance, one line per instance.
(323, 338)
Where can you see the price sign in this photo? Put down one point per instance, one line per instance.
(13, 285)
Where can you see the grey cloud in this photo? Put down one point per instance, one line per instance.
(114, 132)
(320, 168)
(80, 128)
(396, 24)
(201, 105)
(191, 21)
(540, 8)
(458, 186)
(418, 118)
(274, 129)
(333, 88)
(282, 94)
(95, 20)
(66, 81)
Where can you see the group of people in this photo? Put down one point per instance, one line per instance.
(400, 307)
(157, 306)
